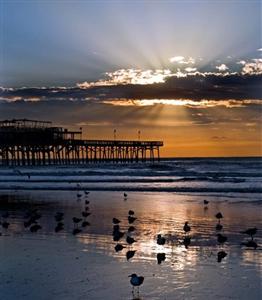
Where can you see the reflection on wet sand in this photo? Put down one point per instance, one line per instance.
(143, 232)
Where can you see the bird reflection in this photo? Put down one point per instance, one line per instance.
(160, 257)
(187, 241)
(130, 254)
(221, 255)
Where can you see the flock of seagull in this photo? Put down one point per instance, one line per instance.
(33, 216)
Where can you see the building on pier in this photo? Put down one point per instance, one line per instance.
(29, 142)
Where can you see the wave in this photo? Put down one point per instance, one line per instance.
(244, 190)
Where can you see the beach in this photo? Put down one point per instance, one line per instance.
(59, 265)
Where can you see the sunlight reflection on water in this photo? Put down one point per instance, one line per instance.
(165, 214)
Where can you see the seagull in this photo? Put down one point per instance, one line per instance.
(125, 195)
(87, 193)
(117, 235)
(160, 257)
(85, 223)
(221, 238)
(160, 240)
(131, 229)
(87, 202)
(76, 221)
(186, 227)
(205, 202)
(35, 228)
(250, 231)
(131, 212)
(136, 281)
(219, 216)
(131, 219)
(85, 214)
(221, 255)
(28, 223)
(119, 247)
(5, 224)
(130, 240)
(76, 231)
(59, 227)
(79, 195)
(130, 254)
(116, 221)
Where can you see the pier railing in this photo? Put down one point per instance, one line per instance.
(73, 151)
(26, 142)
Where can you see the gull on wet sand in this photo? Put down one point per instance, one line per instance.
(131, 219)
(119, 247)
(59, 227)
(116, 221)
(160, 240)
(35, 228)
(136, 281)
(130, 240)
(131, 229)
(186, 227)
(219, 216)
(250, 231)
(5, 224)
(85, 214)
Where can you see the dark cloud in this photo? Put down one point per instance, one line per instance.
(195, 87)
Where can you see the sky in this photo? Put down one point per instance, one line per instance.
(185, 72)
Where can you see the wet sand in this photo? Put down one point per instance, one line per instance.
(49, 265)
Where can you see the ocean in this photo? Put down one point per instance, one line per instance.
(237, 177)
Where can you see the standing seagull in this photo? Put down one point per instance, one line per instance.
(219, 216)
(186, 227)
(160, 240)
(205, 204)
(250, 231)
(131, 219)
(136, 281)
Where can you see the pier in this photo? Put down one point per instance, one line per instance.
(26, 142)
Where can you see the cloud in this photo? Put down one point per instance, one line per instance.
(190, 70)
(157, 84)
(253, 67)
(222, 68)
(130, 76)
(219, 138)
(182, 60)
(241, 62)
(260, 49)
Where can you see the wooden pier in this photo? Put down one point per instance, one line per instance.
(34, 143)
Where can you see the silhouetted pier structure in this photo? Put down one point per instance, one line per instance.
(29, 142)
